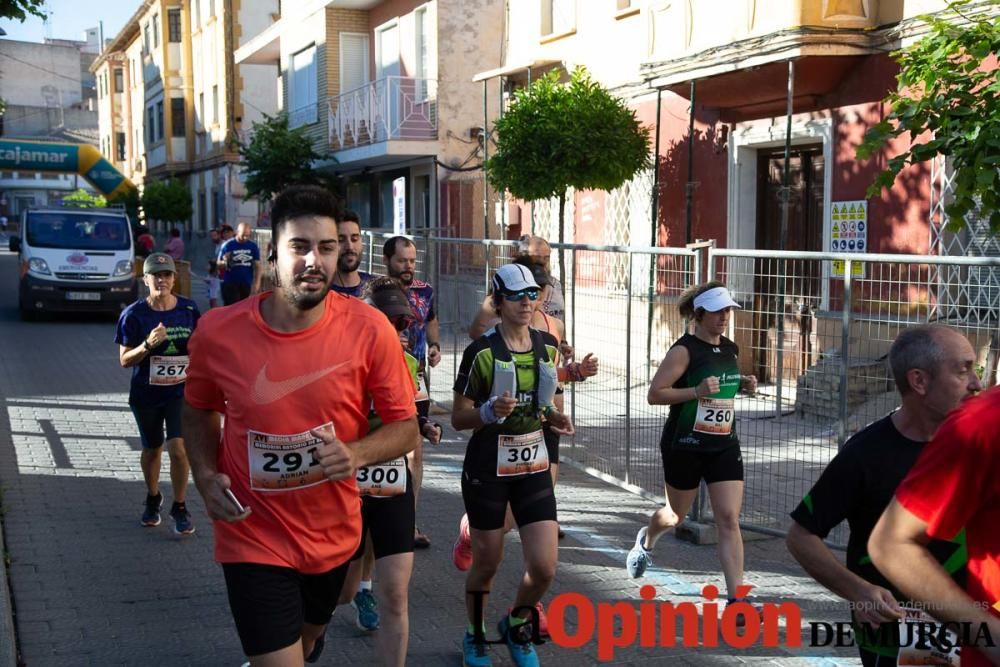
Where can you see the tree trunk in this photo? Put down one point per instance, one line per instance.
(562, 238)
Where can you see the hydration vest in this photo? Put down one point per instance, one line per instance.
(505, 371)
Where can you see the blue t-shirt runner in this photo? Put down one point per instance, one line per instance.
(159, 378)
(242, 257)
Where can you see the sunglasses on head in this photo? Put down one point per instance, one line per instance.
(402, 322)
(531, 293)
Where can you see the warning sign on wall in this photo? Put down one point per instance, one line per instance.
(849, 234)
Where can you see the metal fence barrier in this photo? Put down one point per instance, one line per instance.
(815, 328)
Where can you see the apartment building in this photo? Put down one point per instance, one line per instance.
(48, 93)
(173, 102)
(725, 63)
(385, 90)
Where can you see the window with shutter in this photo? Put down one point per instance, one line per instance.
(303, 88)
(353, 60)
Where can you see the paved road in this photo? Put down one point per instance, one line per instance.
(91, 587)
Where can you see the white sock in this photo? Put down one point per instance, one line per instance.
(365, 586)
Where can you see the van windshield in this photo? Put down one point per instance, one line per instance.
(77, 231)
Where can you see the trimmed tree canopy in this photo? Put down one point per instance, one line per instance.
(276, 157)
(948, 85)
(556, 136)
(168, 200)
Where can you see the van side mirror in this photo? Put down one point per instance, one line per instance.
(14, 244)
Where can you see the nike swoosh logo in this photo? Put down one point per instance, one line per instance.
(269, 391)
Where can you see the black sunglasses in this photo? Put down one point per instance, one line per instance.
(531, 293)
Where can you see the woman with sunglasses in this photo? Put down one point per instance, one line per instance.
(388, 512)
(699, 379)
(504, 390)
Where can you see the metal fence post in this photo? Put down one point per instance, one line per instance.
(628, 373)
(845, 353)
(371, 249)
(572, 324)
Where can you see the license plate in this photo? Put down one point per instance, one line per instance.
(83, 296)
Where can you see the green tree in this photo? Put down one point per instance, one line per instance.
(168, 200)
(555, 136)
(20, 9)
(83, 199)
(948, 85)
(129, 198)
(276, 157)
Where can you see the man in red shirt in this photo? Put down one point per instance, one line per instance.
(296, 401)
(954, 484)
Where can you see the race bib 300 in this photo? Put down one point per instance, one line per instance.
(383, 480)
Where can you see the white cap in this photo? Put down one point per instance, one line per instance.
(714, 300)
(514, 278)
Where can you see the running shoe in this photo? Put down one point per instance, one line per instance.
(461, 553)
(182, 519)
(420, 541)
(638, 558)
(740, 616)
(474, 653)
(543, 622)
(151, 516)
(522, 650)
(364, 603)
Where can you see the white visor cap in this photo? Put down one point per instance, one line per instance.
(714, 300)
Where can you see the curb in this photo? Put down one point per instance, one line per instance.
(8, 638)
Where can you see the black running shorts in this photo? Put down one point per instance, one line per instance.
(152, 420)
(270, 603)
(684, 469)
(530, 496)
(551, 443)
(390, 522)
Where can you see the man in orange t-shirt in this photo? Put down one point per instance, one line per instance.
(295, 396)
(954, 484)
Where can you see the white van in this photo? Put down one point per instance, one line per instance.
(75, 260)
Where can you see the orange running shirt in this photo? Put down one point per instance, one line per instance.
(274, 387)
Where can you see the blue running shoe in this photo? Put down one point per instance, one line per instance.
(474, 653)
(182, 519)
(639, 559)
(151, 516)
(518, 639)
(364, 603)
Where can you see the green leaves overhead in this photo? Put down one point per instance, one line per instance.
(948, 102)
(555, 136)
(21, 9)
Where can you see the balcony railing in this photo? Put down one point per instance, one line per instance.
(391, 108)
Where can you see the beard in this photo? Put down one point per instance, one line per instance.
(302, 300)
(348, 263)
(405, 277)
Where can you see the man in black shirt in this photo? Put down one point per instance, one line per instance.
(935, 370)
